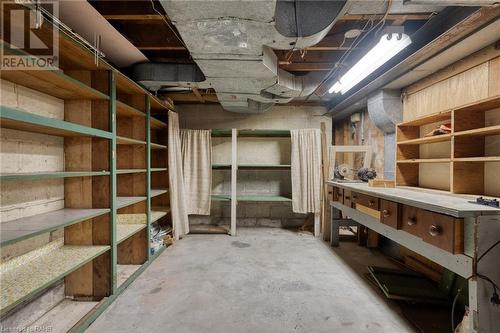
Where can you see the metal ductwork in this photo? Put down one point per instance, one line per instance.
(232, 44)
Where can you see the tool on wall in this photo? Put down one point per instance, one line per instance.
(343, 171)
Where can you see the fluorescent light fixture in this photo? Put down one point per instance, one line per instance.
(388, 46)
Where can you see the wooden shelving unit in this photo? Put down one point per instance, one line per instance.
(470, 153)
(234, 167)
(106, 217)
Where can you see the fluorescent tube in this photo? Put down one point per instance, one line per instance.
(388, 46)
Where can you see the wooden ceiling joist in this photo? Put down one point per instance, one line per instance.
(132, 17)
(390, 17)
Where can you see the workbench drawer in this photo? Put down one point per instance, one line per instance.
(348, 198)
(389, 213)
(410, 221)
(338, 195)
(365, 200)
(443, 231)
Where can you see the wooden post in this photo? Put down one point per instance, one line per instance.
(325, 211)
(234, 175)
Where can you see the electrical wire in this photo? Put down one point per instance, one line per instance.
(488, 250)
(453, 310)
(168, 24)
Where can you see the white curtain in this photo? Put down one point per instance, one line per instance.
(306, 170)
(180, 220)
(197, 167)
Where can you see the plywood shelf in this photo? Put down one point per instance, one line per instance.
(121, 140)
(425, 160)
(157, 212)
(157, 146)
(264, 133)
(426, 140)
(157, 192)
(125, 110)
(252, 166)
(158, 169)
(263, 166)
(440, 116)
(157, 124)
(64, 316)
(26, 227)
(54, 83)
(28, 274)
(477, 159)
(50, 175)
(126, 171)
(122, 202)
(24, 121)
(125, 231)
(256, 198)
(484, 131)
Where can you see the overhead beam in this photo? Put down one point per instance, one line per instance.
(160, 48)
(390, 17)
(198, 95)
(191, 98)
(133, 17)
(307, 66)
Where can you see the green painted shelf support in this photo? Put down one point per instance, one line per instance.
(112, 179)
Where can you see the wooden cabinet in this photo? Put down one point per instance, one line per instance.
(365, 200)
(389, 213)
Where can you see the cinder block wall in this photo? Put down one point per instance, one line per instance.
(253, 151)
(29, 152)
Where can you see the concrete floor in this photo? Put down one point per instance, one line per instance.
(263, 280)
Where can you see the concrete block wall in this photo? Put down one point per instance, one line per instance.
(253, 151)
(28, 152)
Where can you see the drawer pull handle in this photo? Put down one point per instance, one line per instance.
(386, 213)
(347, 197)
(434, 230)
(411, 221)
(371, 203)
(354, 196)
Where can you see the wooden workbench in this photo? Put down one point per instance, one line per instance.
(450, 230)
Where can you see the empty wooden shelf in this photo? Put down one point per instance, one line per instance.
(126, 230)
(25, 121)
(54, 83)
(258, 198)
(157, 146)
(158, 212)
(157, 192)
(125, 171)
(120, 140)
(24, 276)
(49, 175)
(124, 272)
(127, 201)
(26, 227)
(125, 110)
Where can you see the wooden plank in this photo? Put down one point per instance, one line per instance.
(426, 140)
(127, 230)
(50, 175)
(26, 227)
(24, 121)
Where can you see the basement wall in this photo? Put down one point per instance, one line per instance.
(253, 151)
(362, 133)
